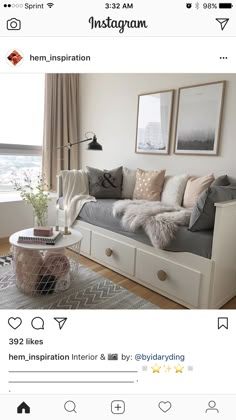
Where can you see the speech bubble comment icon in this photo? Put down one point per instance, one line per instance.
(37, 323)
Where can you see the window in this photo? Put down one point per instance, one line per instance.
(21, 128)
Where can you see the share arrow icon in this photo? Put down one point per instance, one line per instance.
(61, 322)
(223, 22)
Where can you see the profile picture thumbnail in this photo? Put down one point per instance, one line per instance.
(15, 58)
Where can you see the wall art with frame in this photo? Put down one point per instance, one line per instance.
(154, 122)
(199, 117)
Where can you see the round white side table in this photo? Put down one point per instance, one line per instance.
(43, 269)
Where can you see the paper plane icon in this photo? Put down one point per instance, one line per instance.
(223, 22)
(61, 322)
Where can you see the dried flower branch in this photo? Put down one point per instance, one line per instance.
(34, 193)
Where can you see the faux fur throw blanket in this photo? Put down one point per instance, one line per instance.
(75, 192)
(159, 221)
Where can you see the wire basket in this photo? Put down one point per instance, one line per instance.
(41, 272)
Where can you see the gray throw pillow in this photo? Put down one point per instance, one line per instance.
(105, 184)
(232, 181)
(203, 214)
(221, 181)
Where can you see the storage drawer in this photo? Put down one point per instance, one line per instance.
(163, 275)
(86, 240)
(113, 253)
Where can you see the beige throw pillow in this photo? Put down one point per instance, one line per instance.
(148, 185)
(195, 186)
(129, 179)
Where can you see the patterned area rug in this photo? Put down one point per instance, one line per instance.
(88, 290)
(5, 260)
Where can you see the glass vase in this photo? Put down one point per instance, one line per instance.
(40, 220)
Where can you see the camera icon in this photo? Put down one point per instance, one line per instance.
(112, 356)
(13, 24)
(188, 5)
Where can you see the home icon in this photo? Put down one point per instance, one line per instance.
(23, 409)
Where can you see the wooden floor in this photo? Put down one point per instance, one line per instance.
(136, 288)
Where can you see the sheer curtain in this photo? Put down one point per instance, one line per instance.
(60, 124)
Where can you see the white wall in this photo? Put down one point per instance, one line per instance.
(108, 106)
(16, 215)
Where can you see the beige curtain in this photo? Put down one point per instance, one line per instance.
(60, 124)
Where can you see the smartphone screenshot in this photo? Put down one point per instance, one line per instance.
(117, 210)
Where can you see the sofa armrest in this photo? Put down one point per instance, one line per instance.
(59, 186)
(224, 238)
(229, 203)
(224, 251)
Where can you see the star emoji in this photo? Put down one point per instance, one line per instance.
(156, 369)
(167, 369)
(179, 368)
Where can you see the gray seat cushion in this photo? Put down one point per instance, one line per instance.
(99, 213)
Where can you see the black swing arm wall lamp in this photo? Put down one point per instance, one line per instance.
(93, 145)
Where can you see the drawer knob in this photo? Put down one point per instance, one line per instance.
(162, 275)
(108, 252)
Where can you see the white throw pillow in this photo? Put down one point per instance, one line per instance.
(129, 179)
(173, 189)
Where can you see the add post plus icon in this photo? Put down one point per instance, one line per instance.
(117, 407)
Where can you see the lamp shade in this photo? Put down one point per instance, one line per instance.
(94, 145)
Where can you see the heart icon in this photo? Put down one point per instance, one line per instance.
(165, 406)
(15, 322)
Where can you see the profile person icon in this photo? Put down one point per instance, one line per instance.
(212, 407)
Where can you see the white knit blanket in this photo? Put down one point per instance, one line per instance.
(159, 221)
(75, 192)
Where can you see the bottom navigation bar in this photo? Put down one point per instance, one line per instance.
(106, 406)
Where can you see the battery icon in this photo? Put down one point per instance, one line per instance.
(225, 5)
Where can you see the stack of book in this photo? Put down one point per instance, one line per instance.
(40, 240)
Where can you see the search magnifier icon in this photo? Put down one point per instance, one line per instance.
(70, 406)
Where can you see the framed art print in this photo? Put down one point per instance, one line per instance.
(153, 122)
(199, 119)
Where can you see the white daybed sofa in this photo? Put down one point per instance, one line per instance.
(189, 279)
